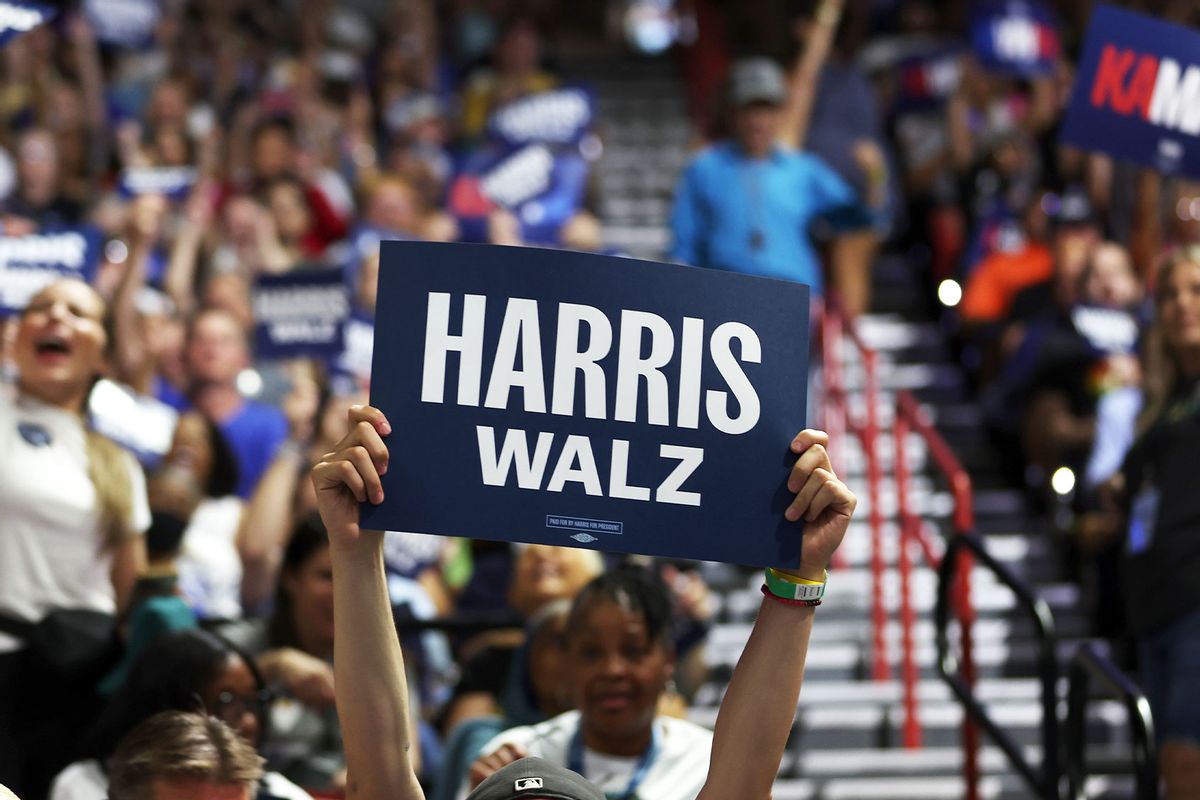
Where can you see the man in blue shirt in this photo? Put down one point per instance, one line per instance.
(745, 205)
(216, 352)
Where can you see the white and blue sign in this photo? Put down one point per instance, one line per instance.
(1137, 92)
(556, 117)
(300, 314)
(1107, 330)
(590, 401)
(1016, 37)
(173, 183)
(143, 425)
(124, 23)
(542, 187)
(17, 18)
(29, 263)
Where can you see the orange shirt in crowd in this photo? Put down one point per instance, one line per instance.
(1000, 277)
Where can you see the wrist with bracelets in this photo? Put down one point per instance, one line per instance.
(793, 590)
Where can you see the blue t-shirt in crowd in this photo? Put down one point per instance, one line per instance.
(752, 215)
(254, 434)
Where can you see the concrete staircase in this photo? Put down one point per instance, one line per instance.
(846, 742)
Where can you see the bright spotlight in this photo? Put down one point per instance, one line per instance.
(249, 383)
(949, 293)
(1062, 481)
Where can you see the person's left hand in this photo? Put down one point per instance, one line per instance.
(822, 500)
(349, 475)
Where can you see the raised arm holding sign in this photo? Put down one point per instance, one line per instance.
(755, 717)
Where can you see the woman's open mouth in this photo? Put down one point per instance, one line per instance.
(52, 350)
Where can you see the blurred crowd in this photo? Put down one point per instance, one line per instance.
(221, 141)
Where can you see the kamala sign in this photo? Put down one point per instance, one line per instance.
(575, 399)
(1137, 92)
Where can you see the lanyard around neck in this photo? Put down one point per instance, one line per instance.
(575, 761)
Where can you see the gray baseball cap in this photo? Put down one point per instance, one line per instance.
(535, 778)
(756, 80)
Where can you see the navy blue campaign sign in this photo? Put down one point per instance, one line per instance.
(541, 186)
(1137, 92)
(575, 399)
(28, 263)
(1015, 37)
(300, 314)
(21, 17)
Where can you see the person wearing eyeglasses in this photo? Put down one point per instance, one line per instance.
(756, 715)
(188, 670)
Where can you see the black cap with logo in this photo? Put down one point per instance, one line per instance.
(535, 778)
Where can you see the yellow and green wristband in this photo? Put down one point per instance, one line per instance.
(794, 590)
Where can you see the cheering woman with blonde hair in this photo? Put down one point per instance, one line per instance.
(72, 508)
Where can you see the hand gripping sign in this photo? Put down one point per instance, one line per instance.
(574, 399)
(1137, 92)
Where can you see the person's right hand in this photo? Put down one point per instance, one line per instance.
(146, 219)
(349, 474)
(484, 766)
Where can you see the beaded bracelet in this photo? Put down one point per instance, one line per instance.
(786, 601)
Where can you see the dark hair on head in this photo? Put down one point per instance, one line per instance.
(223, 479)
(280, 123)
(179, 745)
(285, 180)
(164, 535)
(520, 18)
(170, 674)
(633, 589)
(308, 538)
